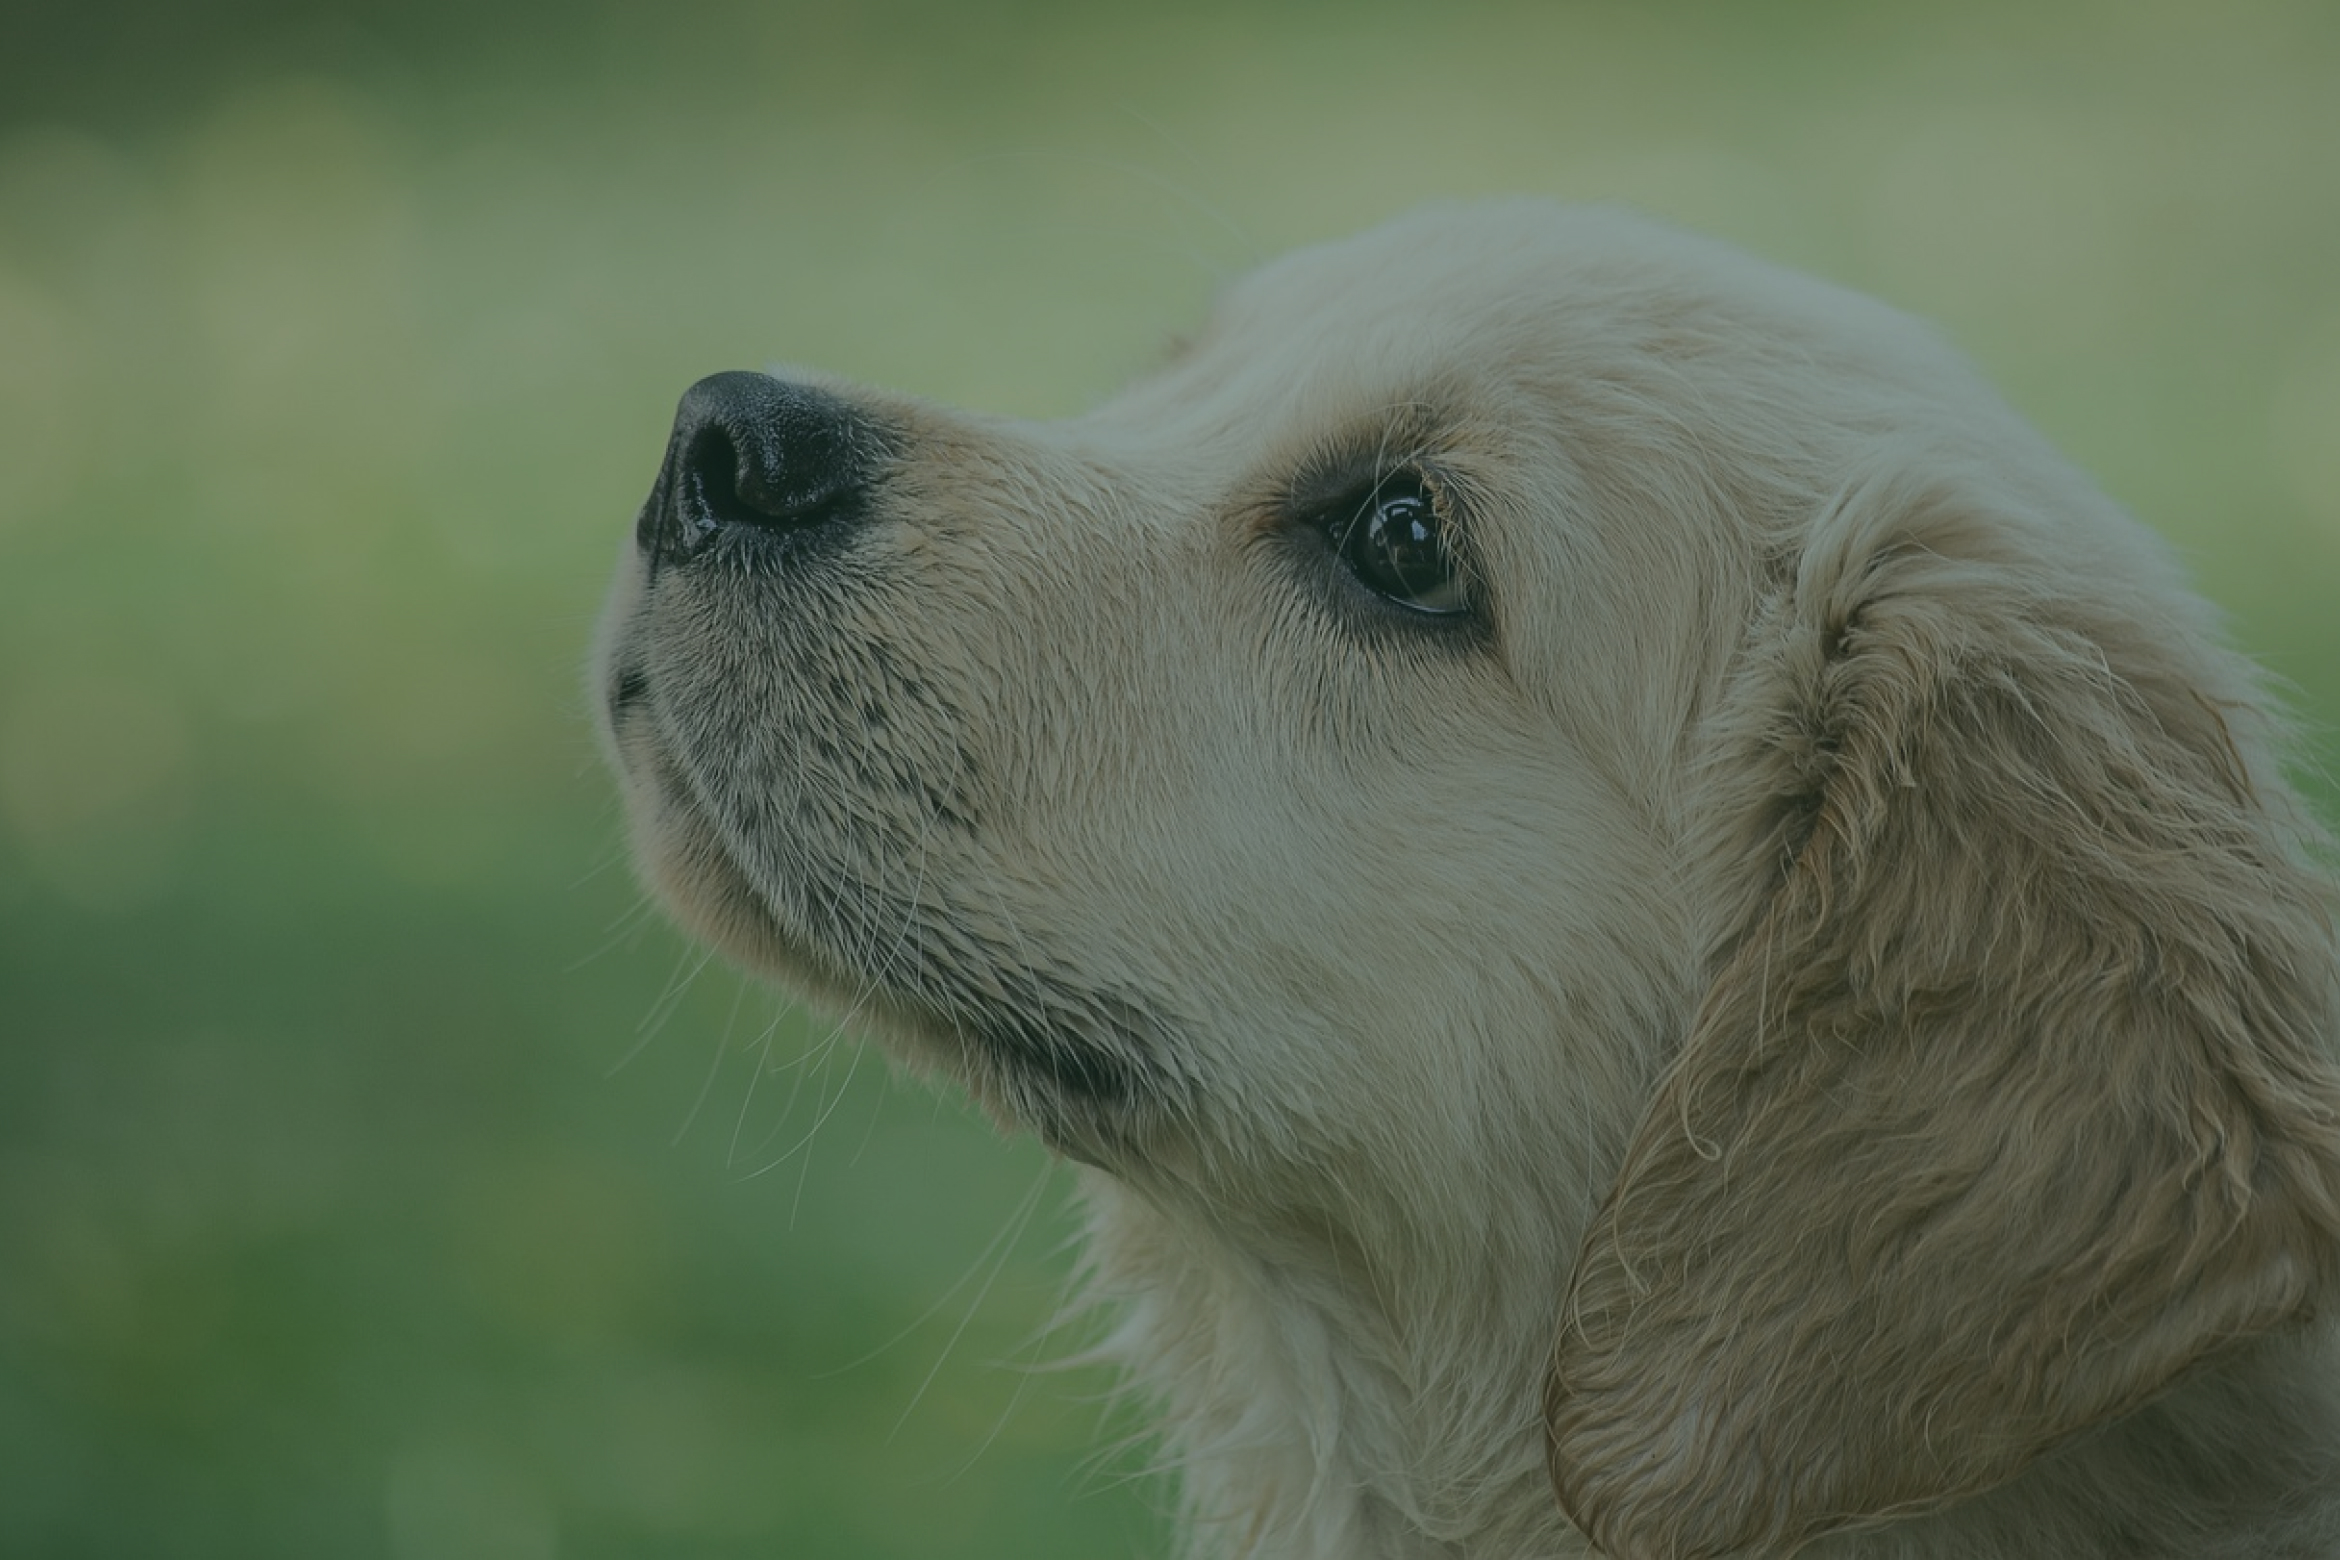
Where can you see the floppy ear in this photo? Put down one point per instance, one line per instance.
(2009, 1100)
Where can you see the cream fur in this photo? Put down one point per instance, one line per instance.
(1802, 1024)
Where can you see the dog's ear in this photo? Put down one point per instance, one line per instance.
(2009, 1099)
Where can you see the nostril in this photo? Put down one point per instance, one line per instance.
(719, 488)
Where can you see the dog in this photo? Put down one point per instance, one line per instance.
(1656, 932)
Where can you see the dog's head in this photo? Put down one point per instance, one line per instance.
(1532, 721)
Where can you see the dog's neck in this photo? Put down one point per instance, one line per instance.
(1313, 1412)
(1312, 1407)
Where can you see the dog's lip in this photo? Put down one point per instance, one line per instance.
(625, 689)
(1081, 1068)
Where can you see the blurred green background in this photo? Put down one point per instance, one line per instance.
(378, 1177)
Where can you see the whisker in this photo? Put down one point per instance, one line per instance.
(1003, 1245)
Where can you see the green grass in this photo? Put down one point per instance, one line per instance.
(376, 1178)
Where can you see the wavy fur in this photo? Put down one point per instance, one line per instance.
(1803, 1024)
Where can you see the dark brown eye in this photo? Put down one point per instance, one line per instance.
(1396, 545)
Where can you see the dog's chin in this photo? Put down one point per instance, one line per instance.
(1093, 1073)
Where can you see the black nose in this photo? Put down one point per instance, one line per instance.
(754, 464)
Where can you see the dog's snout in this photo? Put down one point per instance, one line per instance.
(755, 458)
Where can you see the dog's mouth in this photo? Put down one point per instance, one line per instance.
(801, 795)
(1086, 1066)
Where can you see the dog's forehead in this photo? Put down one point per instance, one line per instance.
(1433, 254)
(1500, 265)
(1438, 300)
(1453, 306)
(1426, 284)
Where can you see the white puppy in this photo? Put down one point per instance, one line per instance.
(1661, 934)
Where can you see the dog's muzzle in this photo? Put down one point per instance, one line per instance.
(757, 469)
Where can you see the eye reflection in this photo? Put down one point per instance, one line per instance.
(1395, 543)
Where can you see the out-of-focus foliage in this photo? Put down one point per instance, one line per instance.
(377, 1178)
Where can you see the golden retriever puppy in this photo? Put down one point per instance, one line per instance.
(1659, 932)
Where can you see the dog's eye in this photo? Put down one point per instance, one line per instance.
(1395, 543)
